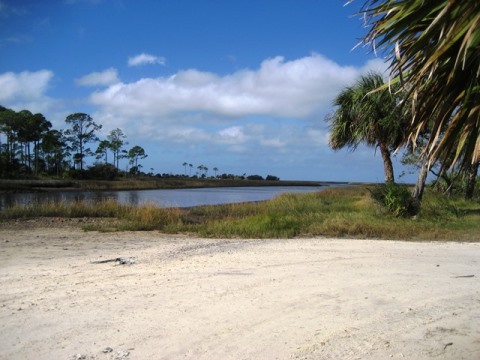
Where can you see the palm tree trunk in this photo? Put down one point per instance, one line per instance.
(472, 172)
(387, 163)
(417, 194)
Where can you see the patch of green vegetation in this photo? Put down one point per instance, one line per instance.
(333, 212)
(77, 209)
(396, 198)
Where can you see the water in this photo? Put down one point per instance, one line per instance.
(163, 198)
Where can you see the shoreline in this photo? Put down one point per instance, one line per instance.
(195, 298)
(21, 186)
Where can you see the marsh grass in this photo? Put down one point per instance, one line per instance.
(149, 217)
(76, 209)
(334, 212)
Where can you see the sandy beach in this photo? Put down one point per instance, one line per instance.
(69, 294)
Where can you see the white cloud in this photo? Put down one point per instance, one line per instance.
(103, 78)
(317, 137)
(250, 111)
(185, 134)
(273, 142)
(26, 90)
(232, 135)
(297, 88)
(24, 85)
(144, 59)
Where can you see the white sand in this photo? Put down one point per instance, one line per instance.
(187, 298)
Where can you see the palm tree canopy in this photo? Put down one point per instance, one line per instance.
(434, 49)
(364, 115)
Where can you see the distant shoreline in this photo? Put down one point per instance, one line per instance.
(17, 186)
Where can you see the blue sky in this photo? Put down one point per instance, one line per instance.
(241, 85)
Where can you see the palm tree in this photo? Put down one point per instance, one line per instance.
(370, 116)
(434, 51)
(185, 166)
(472, 172)
(200, 168)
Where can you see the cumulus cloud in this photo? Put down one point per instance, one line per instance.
(297, 88)
(27, 90)
(145, 59)
(272, 107)
(25, 85)
(232, 135)
(102, 78)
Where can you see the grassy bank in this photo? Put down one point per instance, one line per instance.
(334, 212)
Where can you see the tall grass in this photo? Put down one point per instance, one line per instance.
(76, 209)
(150, 217)
(334, 212)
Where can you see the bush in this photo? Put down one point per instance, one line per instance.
(272, 178)
(75, 174)
(12, 169)
(395, 198)
(102, 172)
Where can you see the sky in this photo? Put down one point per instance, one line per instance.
(239, 85)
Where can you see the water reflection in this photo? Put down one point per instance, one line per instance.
(163, 198)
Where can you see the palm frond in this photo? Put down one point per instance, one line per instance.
(434, 49)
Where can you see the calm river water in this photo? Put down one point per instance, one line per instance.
(164, 198)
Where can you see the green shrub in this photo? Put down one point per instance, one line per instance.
(102, 172)
(395, 198)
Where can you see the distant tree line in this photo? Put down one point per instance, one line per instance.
(29, 146)
(202, 173)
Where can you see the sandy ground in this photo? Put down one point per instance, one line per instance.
(186, 298)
